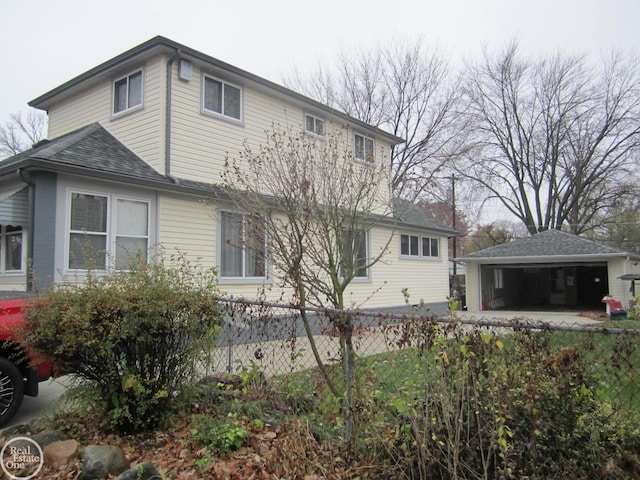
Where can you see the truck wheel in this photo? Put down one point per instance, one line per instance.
(11, 390)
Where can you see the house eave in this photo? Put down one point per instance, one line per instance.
(546, 258)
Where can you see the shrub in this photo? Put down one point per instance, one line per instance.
(136, 336)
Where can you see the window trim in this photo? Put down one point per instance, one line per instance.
(316, 119)
(3, 250)
(114, 241)
(364, 160)
(219, 252)
(128, 108)
(367, 277)
(421, 239)
(110, 234)
(220, 114)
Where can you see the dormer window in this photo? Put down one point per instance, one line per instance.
(314, 125)
(222, 98)
(127, 92)
(363, 148)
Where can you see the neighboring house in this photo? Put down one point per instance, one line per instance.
(138, 142)
(548, 270)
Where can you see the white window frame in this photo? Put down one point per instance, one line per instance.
(128, 107)
(367, 157)
(367, 270)
(221, 113)
(4, 236)
(116, 234)
(316, 121)
(243, 278)
(111, 234)
(418, 241)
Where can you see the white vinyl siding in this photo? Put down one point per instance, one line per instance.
(141, 131)
(187, 226)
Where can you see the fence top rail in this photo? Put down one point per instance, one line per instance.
(513, 323)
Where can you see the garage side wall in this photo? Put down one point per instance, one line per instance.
(621, 289)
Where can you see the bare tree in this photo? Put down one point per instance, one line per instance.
(406, 90)
(21, 132)
(555, 141)
(316, 205)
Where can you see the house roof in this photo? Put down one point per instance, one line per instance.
(410, 215)
(160, 43)
(92, 151)
(546, 246)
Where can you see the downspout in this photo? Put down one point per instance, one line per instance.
(30, 236)
(167, 120)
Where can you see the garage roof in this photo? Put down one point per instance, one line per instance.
(546, 246)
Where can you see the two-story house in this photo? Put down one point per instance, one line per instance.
(136, 144)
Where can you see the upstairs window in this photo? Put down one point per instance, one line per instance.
(314, 125)
(11, 246)
(222, 98)
(363, 148)
(242, 251)
(127, 92)
(417, 246)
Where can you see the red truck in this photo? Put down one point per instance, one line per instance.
(21, 369)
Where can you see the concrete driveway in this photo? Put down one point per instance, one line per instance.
(44, 404)
(555, 318)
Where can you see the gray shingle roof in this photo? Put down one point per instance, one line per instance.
(408, 214)
(93, 152)
(550, 243)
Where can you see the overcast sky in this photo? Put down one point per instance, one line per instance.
(44, 43)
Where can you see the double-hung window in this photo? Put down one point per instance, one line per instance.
(314, 125)
(127, 92)
(222, 98)
(418, 246)
(363, 148)
(355, 250)
(242, 246)
(106, 230)
(11, 248)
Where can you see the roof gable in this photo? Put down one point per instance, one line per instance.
(550, 243)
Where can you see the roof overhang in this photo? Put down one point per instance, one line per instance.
(547, 259)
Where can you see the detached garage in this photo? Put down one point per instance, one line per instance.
(550, 270)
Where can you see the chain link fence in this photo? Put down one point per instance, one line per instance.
(452, 396)
(272, 338)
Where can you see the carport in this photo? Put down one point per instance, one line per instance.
(551, 270)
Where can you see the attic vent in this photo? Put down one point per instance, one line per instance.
(185, 70)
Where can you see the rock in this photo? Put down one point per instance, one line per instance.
(60, 453)
(101, 461)
(47, 437)
(144, 471)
